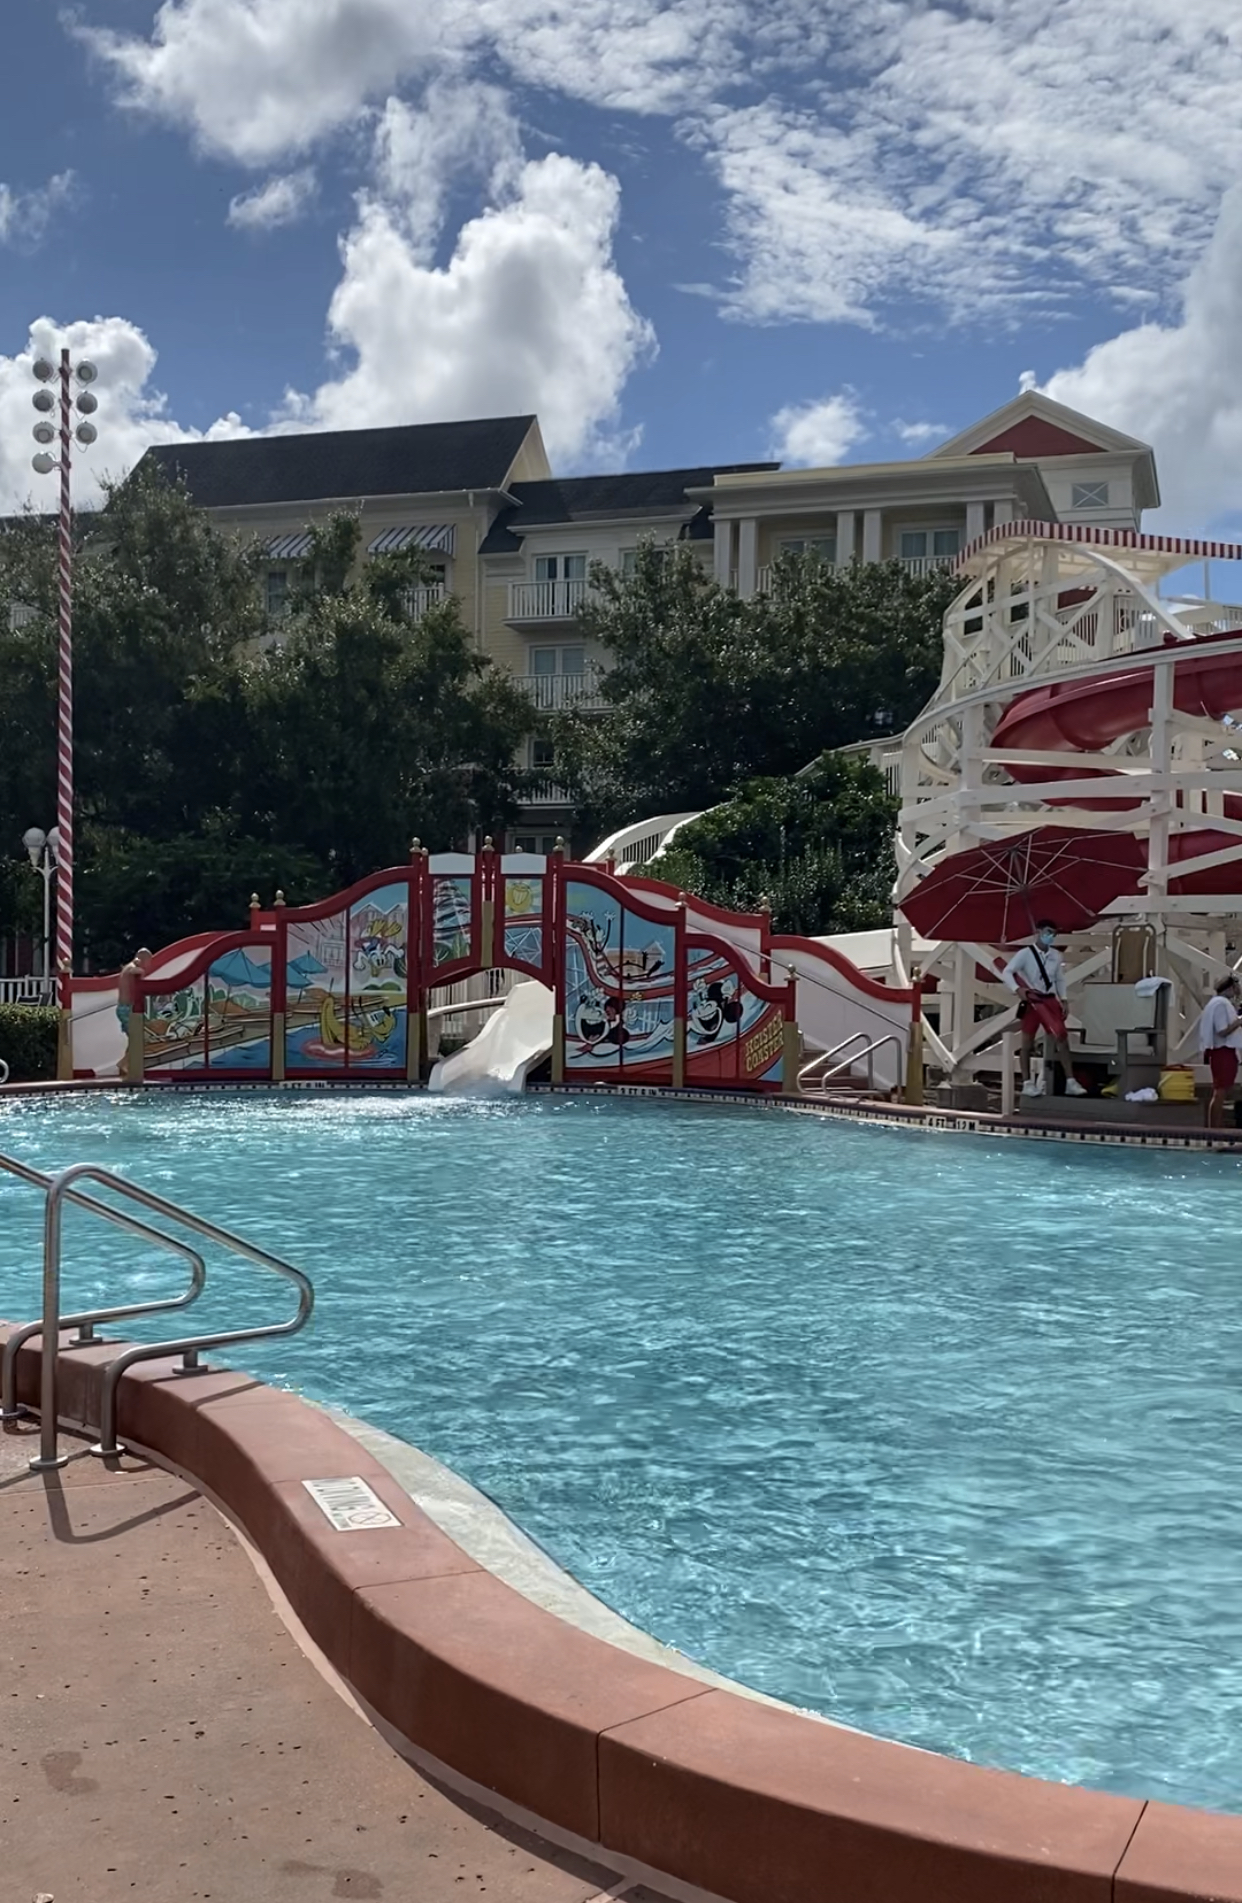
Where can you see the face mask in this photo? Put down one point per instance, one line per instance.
(1047, 938)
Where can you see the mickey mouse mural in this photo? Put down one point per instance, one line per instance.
(713, 1003)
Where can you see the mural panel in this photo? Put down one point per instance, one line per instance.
(619, 986)
(522, 908)
(452, 915)
(175, 1029)
(316, 993)
(733, 1035)
(374, 1030)
(239, 1009)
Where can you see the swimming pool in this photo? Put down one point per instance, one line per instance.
(939, 1436)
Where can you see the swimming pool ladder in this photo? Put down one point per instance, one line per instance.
(60, 1189)
(868, 1051)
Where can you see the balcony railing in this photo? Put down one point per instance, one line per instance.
(913, 564)
(419, 600)
(553, 693)
(546, 600)
(544, 793)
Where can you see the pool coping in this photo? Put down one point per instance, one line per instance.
(1026, 1125)
(658, 1765)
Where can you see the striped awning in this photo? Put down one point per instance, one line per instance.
(290, 548)
(1188, 547)
(435, 538)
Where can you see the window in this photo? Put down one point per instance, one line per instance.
(940, 544)
(629, 559)
(824, 546)
(278, 591)
(560, 568)
(549, 661)
(542, 755)
(1089, 495)
(535, 842)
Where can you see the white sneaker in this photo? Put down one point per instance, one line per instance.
(1031, 1089)
(1073, 1088)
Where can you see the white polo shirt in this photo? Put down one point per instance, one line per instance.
(1216, 1015)
(1024, 966)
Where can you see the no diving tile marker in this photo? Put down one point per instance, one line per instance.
(350, 1505)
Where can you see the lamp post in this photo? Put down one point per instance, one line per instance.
(43, 849)
(46, 432)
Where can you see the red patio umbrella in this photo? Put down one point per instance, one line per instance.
(996, 893)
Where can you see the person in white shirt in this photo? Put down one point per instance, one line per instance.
(1220, 1039)
(1038, 973)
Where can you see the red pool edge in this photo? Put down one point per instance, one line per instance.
(745, 1800)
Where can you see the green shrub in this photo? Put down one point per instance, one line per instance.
(28, 1041)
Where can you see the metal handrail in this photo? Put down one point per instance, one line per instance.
(869, 1054)
(10, 1409)
(823, 1057)
(58, 1190)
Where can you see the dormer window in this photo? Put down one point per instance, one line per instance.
(1089, 495)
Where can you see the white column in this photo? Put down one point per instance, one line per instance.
(1002, 512)
(975, 523)
(845, 537)
(747, 557)
(873, 535)
(724, 552)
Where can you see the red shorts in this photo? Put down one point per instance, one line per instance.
(1224, 1066)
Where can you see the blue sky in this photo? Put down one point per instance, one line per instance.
(685, 231)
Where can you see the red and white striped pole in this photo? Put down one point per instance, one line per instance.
(64, 683)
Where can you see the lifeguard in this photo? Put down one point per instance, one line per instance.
(1037, 972)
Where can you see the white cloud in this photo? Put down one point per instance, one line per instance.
(281, 201)
(1177, 386)
(995, 156)
(919, 434)
(25, 215)
(818, 434)
(529, 313)
(131, 414)
(460, 131)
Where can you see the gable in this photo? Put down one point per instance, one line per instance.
(1036, 436)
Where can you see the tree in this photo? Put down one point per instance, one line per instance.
(818, 845)
(217, 751)
(368, 727)
(705, 690)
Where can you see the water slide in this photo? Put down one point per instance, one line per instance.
(1090, 715)
(97, 1039)
(1086, 716)
(498, 1061)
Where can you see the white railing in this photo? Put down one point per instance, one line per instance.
(25, 990)
(639, 844)
(545, 793)
(553, 693)
(20, 612)
(419, 600)
(883, 755)
(545, 600)
(913, 565)
(464, 1004)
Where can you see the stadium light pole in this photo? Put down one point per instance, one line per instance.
(45, 433)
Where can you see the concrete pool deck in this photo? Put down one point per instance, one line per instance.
(645, 1772)
(165, 1737)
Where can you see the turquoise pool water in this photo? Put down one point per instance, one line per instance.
(941, 1437)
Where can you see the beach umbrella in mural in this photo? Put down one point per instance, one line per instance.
(997, 893)
(300, 971)
(235, 971)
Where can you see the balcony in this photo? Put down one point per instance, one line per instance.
(543, 793)
(913, 565)
(541, 601)
(419, 600)
(555, 693)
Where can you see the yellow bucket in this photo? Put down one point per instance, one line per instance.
(1177, 1084)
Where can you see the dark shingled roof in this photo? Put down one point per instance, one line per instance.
(413, 459)
(581, 498)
